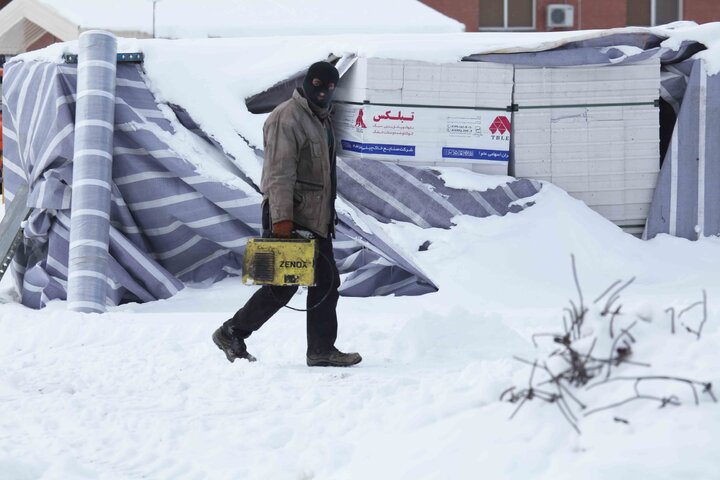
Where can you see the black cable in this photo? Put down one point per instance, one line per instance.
(327, 294)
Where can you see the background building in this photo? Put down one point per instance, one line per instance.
(550, 15)
(31, 24)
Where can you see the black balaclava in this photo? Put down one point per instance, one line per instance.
(326, 73)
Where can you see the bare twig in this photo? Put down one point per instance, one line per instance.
(519, 407)
(600, 362)
(557, 380)
(698, 332)
(688, 308)
(535, 335)
(612, 320)
(522, 360)
(702, 323)
(532, 375)
(571, 313)
(589, 353)
(636, 387)
(606, 291)
(561, 400)
(505, 392)
(614, 296)
(664, 401)
(577, 282)
(635, 362)
(622, 353)
(582, 368)
(567, 417)
(707, 387)
(672, 319)
(577, 319)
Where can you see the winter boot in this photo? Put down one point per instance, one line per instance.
(232, 346)
(333, 358)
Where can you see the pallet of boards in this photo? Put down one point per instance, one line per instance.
(425, 114)
(593, 131)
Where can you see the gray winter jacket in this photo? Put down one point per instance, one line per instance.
(296, 176)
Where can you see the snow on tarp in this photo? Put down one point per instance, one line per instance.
(221, 110)
(240, 18)
(171, 224)
(232, 70)
(385, 191)
(219, 185)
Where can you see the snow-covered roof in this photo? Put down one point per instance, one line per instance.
(65, 19)
(231, 18)
(227, 71)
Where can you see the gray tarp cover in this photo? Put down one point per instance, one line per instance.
(92, 172)
(686, 202)
(171, 226)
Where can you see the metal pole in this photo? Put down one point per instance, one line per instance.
(653, 13)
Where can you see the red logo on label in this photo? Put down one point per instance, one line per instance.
(500, 124)
(359, 122)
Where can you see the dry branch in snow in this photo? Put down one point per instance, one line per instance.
(580, 365)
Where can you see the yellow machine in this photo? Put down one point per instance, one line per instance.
(276, 261)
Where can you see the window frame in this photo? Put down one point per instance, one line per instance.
(653, 12)
(505, 26)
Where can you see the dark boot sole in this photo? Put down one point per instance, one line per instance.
(231, 356)
(328, 363)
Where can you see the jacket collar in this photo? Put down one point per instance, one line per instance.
(302, 101)
(296, 96)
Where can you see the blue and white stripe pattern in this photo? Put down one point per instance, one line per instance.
(92, 172)
(170, 225)
(686, 202)
(39, 102)
(388, 191)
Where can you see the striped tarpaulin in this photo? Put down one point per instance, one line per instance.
(389, 191)
(686, 202)
(92, 172)
(170, 224)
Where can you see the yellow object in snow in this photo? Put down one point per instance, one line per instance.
(280, 262)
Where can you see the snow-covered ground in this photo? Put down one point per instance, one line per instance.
(141, 391)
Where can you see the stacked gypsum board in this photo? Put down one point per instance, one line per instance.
(593, 131)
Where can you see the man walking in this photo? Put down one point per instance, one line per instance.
(299, 184)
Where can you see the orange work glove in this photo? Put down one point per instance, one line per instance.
(282, 229)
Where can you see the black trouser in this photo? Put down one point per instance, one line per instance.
(321, 317)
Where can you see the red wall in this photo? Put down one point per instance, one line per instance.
(465, 11)
(44, 41)
(589, 14)
(701, 11)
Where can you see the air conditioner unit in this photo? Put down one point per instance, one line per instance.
(560, 15)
